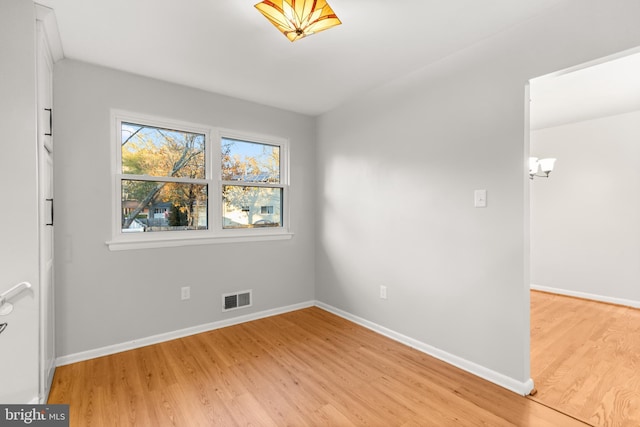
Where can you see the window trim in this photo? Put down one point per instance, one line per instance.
(284, 179)
(213, 173)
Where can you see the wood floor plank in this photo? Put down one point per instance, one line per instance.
(585, 358)
(304, 368)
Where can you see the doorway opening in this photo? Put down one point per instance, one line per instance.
(585, 240)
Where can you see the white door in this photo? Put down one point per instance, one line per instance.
(19, 244)
(26, 176)
(46, 214)
(47, 345)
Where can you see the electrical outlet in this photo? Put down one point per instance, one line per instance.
(383, 292)
(185, 292)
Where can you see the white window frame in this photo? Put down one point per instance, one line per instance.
(215, 233)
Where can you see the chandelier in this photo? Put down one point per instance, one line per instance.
(543, 165)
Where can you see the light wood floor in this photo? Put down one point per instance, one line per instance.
(304, 368)
(585, 358)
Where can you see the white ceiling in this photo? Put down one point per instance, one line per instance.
(605, 89)
(228, 47)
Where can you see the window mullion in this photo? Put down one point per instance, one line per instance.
(252, 184)
(214, 169)
(183, 180)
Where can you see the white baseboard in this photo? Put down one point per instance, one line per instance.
(584, 295)
(522, 388)
(168, 336)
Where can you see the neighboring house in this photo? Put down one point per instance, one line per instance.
(128, 206)
(159, 214)
(263, 213)
(247, 206)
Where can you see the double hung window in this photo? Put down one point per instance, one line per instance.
(178, 183)
(251, 181)
(163, 178)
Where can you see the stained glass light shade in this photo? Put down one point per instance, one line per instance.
(299, 18)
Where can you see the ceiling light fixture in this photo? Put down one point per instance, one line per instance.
(545, 165)
(298, 18)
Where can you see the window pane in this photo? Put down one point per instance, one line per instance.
(163, 206)
(250, 161)
(242, 207)
(148, 150)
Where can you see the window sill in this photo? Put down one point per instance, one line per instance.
(169, 242)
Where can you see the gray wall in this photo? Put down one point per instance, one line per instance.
(19, 216)
(585, 233)
(397, 170)
(106, 298)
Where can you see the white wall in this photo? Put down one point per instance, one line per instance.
(106, 298)
(19, 184)
(585, 227)
(397, 169)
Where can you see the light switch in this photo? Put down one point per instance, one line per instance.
(480, 198)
